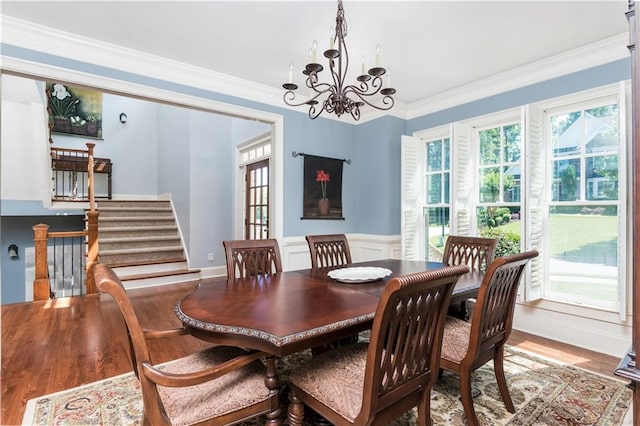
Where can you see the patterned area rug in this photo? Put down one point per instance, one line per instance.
(544, 392)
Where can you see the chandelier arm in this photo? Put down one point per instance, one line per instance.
(289, 97)
(312, 111)
(364, 88)
(387, 101)
(355, 113)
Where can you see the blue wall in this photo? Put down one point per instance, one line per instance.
(371, 183)
(19, 231)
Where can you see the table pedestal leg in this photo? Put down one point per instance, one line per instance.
(272, 383)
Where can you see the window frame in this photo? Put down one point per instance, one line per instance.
(582, 101)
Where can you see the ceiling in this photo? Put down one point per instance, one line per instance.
(429, 46)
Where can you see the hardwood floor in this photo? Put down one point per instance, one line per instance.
(59, 344)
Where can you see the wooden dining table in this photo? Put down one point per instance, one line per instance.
(290, 311)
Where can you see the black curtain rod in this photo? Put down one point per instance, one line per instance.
(295, 154)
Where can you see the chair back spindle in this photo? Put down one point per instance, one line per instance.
(247, 258)
(328, 250)
(477, 252)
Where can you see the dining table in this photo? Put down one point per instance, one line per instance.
(290, 311)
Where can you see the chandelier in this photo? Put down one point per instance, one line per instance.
(339, 97)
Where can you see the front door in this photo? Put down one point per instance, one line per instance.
(257, 202)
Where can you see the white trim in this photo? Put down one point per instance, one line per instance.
(36, 37)
(586, 328)
(599, 53)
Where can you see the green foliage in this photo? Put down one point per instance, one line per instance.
(569, 179)
(508, 242)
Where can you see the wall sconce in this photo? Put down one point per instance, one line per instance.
(13, 251)
(123, 117)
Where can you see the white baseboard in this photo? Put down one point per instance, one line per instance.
(606, 337)
(213, 272)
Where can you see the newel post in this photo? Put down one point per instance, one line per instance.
(92, 249)
(90, 181)
(41, 284)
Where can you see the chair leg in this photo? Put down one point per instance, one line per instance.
(467, 399)
(498, 367)
(424, 410)
(296, 410)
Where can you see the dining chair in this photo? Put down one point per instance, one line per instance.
(247, 258)
(328, 250)
(477, 252)
(376, 382)
(466, 346)
(220, 385)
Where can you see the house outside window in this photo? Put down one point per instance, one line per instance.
(500, 186)
(584, 211)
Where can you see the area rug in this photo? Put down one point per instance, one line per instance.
(544, 392)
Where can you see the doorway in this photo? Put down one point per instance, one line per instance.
(256, 222)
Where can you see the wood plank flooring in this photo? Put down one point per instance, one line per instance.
(59, 344)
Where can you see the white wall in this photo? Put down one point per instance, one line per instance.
(23, 143)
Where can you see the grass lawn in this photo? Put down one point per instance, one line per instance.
(584, 235)
(571, 233)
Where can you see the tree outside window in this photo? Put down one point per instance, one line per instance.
(498, 212)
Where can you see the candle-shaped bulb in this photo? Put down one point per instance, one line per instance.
(362, 73)
(314, 48)
(377, 55)
(332, 36)
(388, 77)
(291, 73)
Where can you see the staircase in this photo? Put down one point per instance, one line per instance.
(141, 241)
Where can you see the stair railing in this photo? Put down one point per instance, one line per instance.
(42, 282)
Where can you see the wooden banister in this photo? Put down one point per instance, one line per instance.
(90, 187)
(41, 284)
(92, 249)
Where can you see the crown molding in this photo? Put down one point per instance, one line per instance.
(28, 35)
(36, 37)
(589, 56)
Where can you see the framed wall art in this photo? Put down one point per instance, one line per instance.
(322, 186)
(74, 110)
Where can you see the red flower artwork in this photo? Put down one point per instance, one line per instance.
(323, 178)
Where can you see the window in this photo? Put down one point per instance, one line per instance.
(548, 177)
(500, 185)
(583, 210)
(436, 210)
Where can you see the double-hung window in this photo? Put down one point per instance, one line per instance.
(499, 182)
(584, 215)
(436, 210)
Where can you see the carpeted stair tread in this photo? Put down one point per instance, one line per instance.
(134, 218)
(140, 228)
(139, 250)
(148, 262)
(140, 239)
(136, 209)
(159, 274)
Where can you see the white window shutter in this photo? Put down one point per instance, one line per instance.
(412, 194)
(533, 202)
(462, 180)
